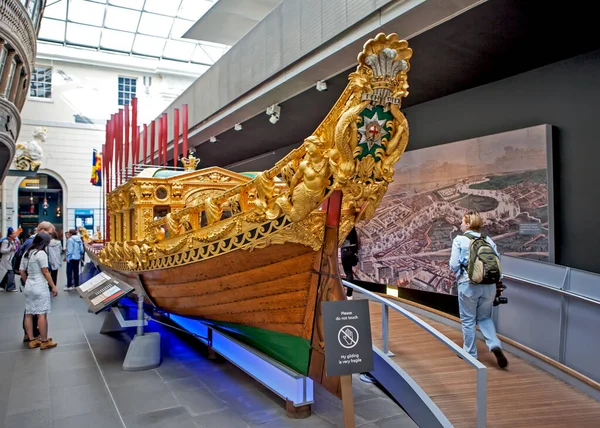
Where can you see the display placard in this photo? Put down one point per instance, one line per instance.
(102, 291)
(348, 344)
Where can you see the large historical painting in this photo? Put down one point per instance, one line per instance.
(503, 176)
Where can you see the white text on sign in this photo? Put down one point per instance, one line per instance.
(344, 316)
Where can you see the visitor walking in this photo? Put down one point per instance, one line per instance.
(474, 300)
(74, 257)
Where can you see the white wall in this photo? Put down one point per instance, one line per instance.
(93, 93)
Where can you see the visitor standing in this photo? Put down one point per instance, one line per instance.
(74, 257)
(34, 272)
(48, 228)
(8, 248)
(54, 256)
(475, 300)
(349, 252)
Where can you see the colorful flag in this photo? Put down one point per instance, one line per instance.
(96, 169)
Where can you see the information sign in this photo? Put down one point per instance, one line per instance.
(348, 345)
(102, 291)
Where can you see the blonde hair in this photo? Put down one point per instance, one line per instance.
(474, 220)
(45, 226)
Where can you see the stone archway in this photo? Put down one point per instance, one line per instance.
(63, 198)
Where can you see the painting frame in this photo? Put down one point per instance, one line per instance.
(538, 142)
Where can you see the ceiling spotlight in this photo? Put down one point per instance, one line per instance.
(274, 109)
(213, 139)
(238, 127)
(321, 85)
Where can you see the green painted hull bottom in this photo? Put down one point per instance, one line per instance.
(291, 351)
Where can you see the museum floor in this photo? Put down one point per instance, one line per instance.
(81, 384)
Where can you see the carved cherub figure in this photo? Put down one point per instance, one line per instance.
(308, 184)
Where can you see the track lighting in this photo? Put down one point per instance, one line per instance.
(238, 127)
(321, 85)
(275, 112)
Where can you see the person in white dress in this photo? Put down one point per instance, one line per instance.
(34, 272)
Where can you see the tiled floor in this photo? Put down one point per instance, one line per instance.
(81, 383)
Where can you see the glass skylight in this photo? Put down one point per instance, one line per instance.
(146, 28)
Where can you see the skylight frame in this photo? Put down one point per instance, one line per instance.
(170, 39)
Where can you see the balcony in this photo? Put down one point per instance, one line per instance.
(19, 26)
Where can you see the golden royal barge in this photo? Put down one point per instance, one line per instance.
(255, 254)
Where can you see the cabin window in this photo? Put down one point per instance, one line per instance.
(161, 211)
(161, 193)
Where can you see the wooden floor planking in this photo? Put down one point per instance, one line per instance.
(520, 396)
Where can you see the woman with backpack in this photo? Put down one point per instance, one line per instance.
(476, 275)
(34, 272)
(8, 248)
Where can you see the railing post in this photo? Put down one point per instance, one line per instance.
(385, 313)
(140, 315)
(481, 411)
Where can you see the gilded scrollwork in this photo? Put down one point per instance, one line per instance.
(353, 150)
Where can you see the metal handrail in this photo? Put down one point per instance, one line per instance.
(547, 287)
(481, 408)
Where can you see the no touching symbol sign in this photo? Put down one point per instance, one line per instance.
(348, 336)
(347, 331)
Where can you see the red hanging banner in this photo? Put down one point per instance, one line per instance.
(120, 125)
(159, 138)
(109, 130)
(134, 132)
(127, 139)
(175, 136)
(165, 130)
(145, 162)
(106, 156)
(152, 135)
(184, 112)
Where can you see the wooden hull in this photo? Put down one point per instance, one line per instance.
(264, 297)
(267, 297)
(273, 288)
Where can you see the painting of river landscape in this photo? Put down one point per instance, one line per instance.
(503, 176)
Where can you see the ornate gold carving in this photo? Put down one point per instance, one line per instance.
(146, 190)
(191, 162)
(308, 232)
(177, 191)
(215, 177)
(85, 237)
(353, 150)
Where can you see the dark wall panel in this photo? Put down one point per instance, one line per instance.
(565, 95)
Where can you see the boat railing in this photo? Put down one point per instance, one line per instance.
(239, 200)
(386, 304)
